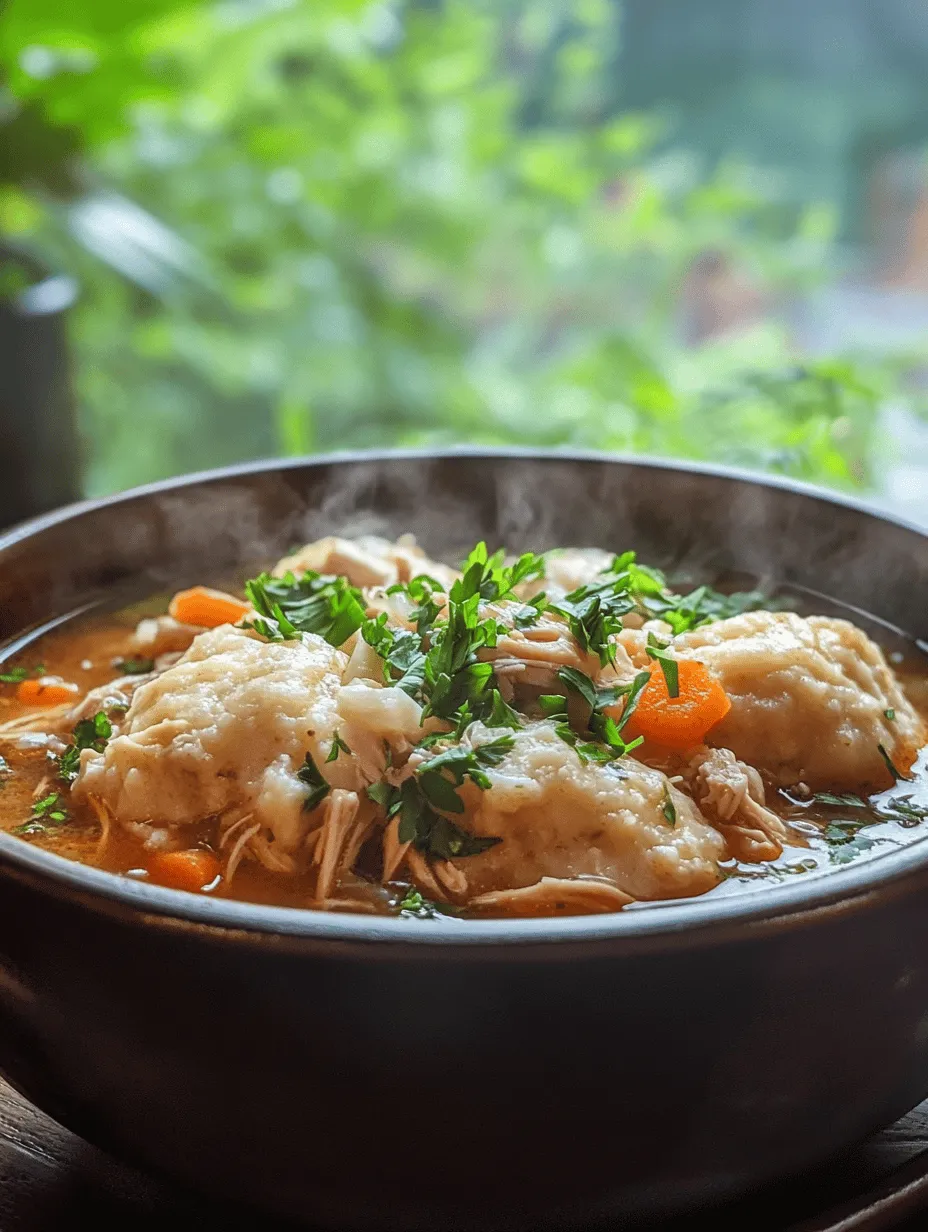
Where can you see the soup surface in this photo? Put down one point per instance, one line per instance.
(365, 729)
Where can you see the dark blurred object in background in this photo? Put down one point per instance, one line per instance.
(39, 455)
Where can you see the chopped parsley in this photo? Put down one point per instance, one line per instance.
(594, 614)
(314, 603)
(890, 766)
(16, 675)
(846, 840)
(703, 606)
(657, 650)
(421, 801)
(338, 746)
(890, 714)
(401, 651)
(415, 904)
(897, 808)
(599, 737)
(668, 808)
(310, 774)
(88, 734)
(421, 590)
(46, 814)
(501, 714)
(135, 667)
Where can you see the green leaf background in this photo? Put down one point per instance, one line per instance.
(416, 222)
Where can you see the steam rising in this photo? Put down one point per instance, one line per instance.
(697, 527)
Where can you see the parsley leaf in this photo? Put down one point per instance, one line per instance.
(501, 714)
(16, 675)
(668, 808)
(135, 667)
(890, 714)
(594, 615)
(88, 734)
(487, 577)
(657, 650)
(414, 903)
(432, 791)
(421, 590)
(890, 766)
(606, 729)
(338, 746)
(846, 841)
(431, 833)
(46, 813)
(401, 651)
(551, 704)
(897, 808)
(314, 603)
(310, 774)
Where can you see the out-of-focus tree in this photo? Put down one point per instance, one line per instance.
(400, 223)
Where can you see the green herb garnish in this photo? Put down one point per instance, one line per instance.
(421, 590)
(599, 738)
(896, 773)
(501, 714)
(432, 791)
(135, 667)
(657, 650)
(668, 808)
(88, 734)
(897, 808)
(890, 714)
(414, 903)
(314, 603)
(401, 651)
(310, 774)
(46, 813)
(846, 841)
(16, 675)
(338, 746)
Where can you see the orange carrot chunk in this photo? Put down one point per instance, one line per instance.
(191, 870)
(682, 721)
(45, 691)
(207, 608)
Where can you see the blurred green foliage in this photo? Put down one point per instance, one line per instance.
(407, 222)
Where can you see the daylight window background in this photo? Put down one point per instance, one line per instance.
(269, 227)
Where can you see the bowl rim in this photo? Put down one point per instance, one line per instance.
(846, 889)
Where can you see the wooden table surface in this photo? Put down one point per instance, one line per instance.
(51, 1180)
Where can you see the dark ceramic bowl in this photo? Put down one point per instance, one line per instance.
(387, 1074)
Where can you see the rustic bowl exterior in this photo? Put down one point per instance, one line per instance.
(381, 1074)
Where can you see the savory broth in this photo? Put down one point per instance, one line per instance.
(826, 830)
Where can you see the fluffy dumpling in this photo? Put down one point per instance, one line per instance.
(812, 700)
(228, 725)
(622, 823)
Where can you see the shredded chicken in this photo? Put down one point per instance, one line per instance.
(568, 568)
(113, 698)
(159, 635)
(365, 561)
(731, 795)
(555, 896)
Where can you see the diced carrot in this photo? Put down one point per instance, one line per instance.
(191, 870)
(682, 721)
(45, 691)
(207, 608)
